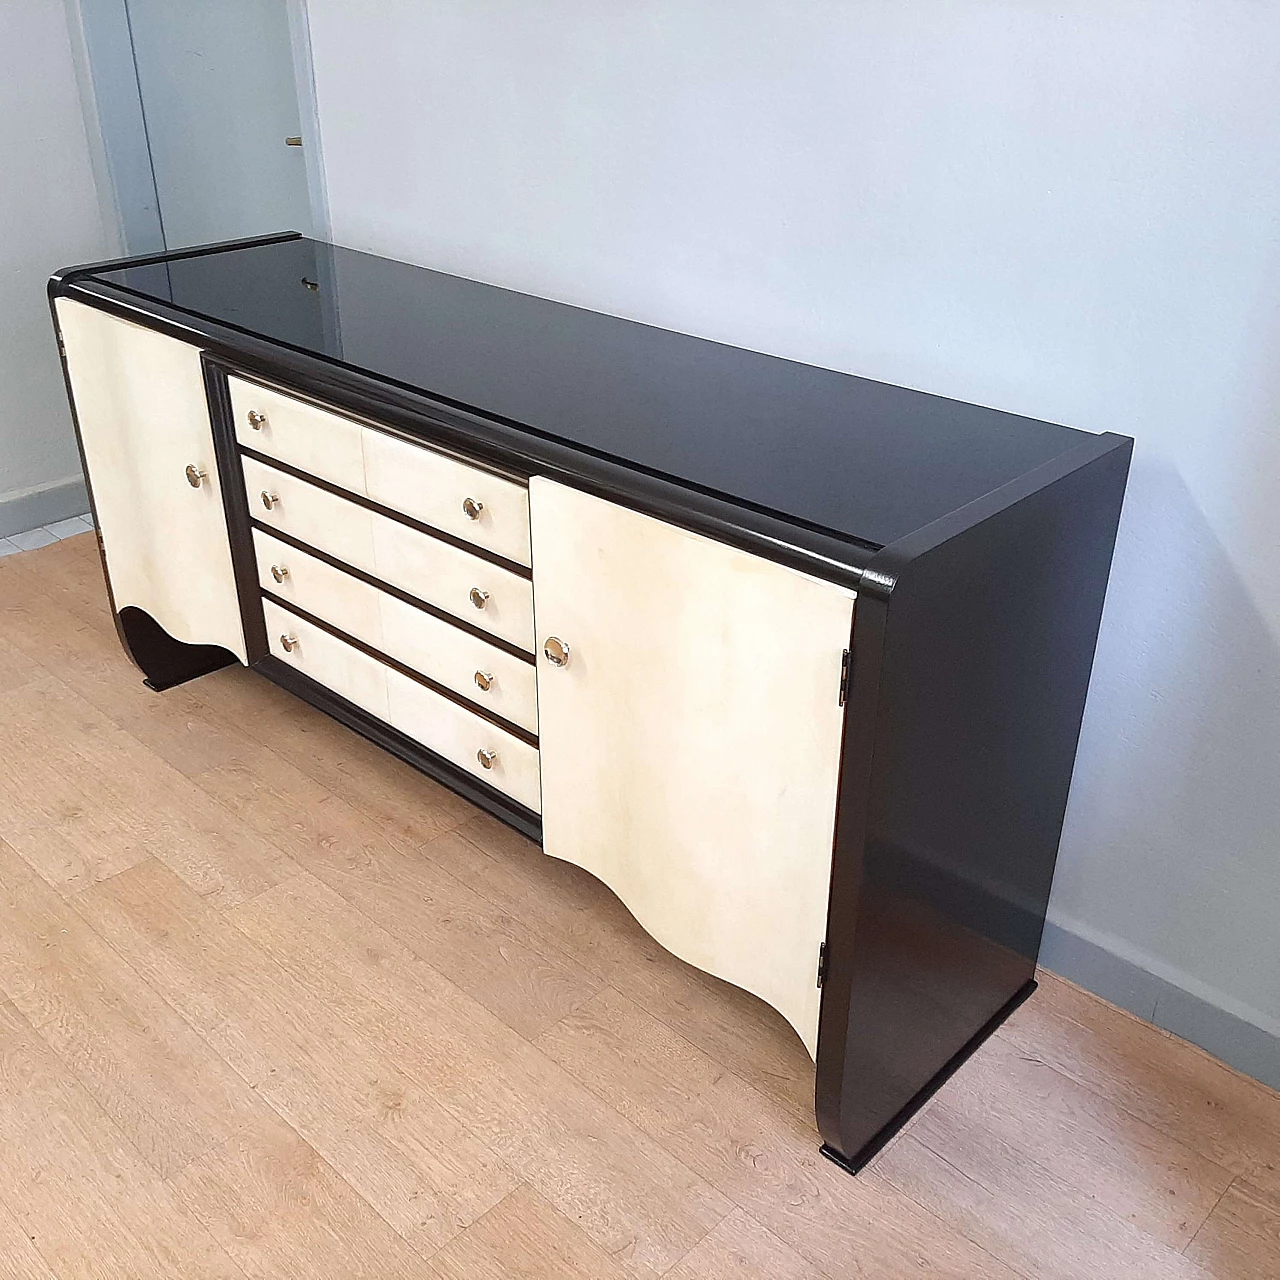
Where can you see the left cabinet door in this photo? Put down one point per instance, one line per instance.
(140, 405)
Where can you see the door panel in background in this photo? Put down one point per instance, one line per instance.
(219, 96)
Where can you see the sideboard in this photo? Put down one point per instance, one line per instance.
(793, 661)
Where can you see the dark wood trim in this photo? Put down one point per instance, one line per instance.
(973, 648)
(418, 677)
(877, 1142)
(407, 749)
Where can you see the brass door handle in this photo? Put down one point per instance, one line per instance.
(478, 597)
(257, 420)
(293, 141)
(269, 499)
(288, 642)
(196, 476)
(279, 572)
(472, 508)
(484, 681)
(557, 651)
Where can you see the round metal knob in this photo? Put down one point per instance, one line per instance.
(472, 507)
(288, 642)
(486, 757)
(478, 597)
(269, 499)
(195, 476)
(257, 420)
(279, 572)
(557, 651)
(484, 681)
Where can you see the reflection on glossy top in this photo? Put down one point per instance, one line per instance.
(862, 459)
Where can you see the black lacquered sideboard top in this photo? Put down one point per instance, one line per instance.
(862, 460)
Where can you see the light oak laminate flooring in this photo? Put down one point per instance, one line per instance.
(274, 1005)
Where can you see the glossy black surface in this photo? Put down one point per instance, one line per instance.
(861, 459)
(972, 656)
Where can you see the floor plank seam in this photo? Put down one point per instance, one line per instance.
(1196, 1234)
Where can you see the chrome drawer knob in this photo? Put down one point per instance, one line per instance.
(486, 757)
(478, 597)
(472, 507)
(269, 499)
(257, 420)
(484, 681)
(196, 476)
(288, 642)
(557, 651)
(279, 572)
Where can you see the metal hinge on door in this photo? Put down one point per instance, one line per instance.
(822, 963)
(846, 665)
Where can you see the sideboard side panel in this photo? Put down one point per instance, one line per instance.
(973, 651)
(140, 410)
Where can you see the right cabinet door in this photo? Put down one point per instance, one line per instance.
(690, 740)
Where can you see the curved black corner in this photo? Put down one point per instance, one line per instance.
(163, 660)
(66, 275)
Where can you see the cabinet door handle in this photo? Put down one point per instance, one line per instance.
(486, 757)
(279, 572)
(472, 508)
(196, 476)
(257, 420)
(484, 681)
(557, 651)
(269, 499)
(288, 642)
(478, 597)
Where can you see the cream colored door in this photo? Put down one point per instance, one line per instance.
(691, 742)
(140, 403)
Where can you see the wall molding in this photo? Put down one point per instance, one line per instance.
(1243, 1038)
(23, 509)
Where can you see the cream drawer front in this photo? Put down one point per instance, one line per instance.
(337, 666)
(432, 487)
(448, 655)
(319, 588)
(447, 577)
(310, 514)
(313, 440)
(465, 501)
(461, 737)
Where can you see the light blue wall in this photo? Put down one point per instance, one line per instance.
(1070, 211)
(49, 216)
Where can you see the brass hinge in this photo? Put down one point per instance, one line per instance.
(822, 963)
(846, 665)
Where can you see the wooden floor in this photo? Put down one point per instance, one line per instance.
(272, 1004)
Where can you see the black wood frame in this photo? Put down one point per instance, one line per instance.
(970, 659)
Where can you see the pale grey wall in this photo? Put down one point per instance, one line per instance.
(1068, 211)
(49, 216)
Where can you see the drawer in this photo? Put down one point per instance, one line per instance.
(337, 666)
(428, 568)
(465, 501)
(463, 738)
(428, 717)
(434, 488)
(452, 657)
(313, 440)
(310, 514)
